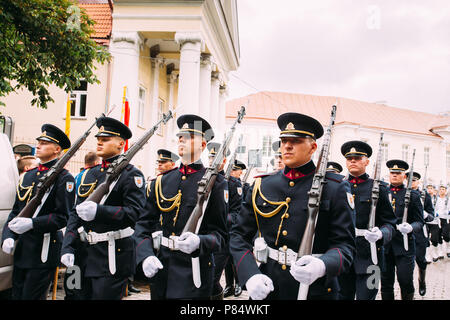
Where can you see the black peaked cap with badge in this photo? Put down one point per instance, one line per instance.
(166, 155)
(193, 124)
(213, 148)
(238, 165)
(110, 127)
(356, 148)
(334, 166)
(416, 175)
(397, 165)
(53, 134)
(297, 125)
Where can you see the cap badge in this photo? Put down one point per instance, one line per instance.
(185, 126)
(395, 167)
(352, 150)
(290, 126)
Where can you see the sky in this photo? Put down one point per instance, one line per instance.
(391, 52)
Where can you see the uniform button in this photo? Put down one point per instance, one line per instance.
(284, 248)
(183, 178)
(329, 289)
(173, 233)
(118, 250)
(54, 241)
(355, 185)
(38, 173)
(101, 169)
(284, 233)
(209, 264)
(264, 204)
(288, 200)
(292, 183)
(283, 267)
(286, 215)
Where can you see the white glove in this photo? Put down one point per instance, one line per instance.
(405, 227)
(425, 214)
(308, 269)
(8, 245)
(20, 225)
(68, 259)
(151, 265)
(87, 210)
(188, 242)
(374, 235)
(259, 286)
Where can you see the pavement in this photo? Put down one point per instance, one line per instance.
(437, 279)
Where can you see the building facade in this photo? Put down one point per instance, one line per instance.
(166, 55)
(404, 130)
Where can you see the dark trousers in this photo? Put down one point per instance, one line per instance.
(108, 288)
(421, 248)
(405, 273)
(220, 261)
(435, 232)
(230, 273)
(31, 284)
(353, 284)
(445, 230)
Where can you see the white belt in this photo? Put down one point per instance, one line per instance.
(110, 236)
(171, 242)
(360, 232)
(287, 257)
(45, 247)
(435, 221)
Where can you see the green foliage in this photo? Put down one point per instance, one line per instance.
(44, 42)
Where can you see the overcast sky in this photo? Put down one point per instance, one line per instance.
(393, 51)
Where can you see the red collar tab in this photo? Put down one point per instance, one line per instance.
(187, 170)
(42, 168)
(105, 164)
(357, 180)
(294, 174)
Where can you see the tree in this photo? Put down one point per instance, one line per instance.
(44, 42)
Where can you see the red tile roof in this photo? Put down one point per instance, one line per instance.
(101, 13)
(267, 105)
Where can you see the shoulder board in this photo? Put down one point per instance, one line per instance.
(165, 172)
(334, 177)
(31, 169)
(266, 174)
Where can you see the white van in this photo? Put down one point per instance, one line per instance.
(9, 177)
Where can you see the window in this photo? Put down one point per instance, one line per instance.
(267, 146)
(160, 115)
(384, 152)
(448, 160)
(141, 107)
(426, 156)
(78, 100)
(405, 151)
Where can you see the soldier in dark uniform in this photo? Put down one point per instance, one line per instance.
(276, 162)
(106, 227)
(395, 254)
(357, 154)
(334, 167)
(166, 160)
(421, 236)
(39, 238)
(235, 190)
(273, 217)
(166, 254)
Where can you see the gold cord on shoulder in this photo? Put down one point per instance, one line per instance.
(20, 188)
(176, 199)
(82, 184)
(280, 204)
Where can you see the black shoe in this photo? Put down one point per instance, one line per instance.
(133, 289)
(448, 255)
(229, 291)
(387, 296)
(407, 296)
(422, 285)
(237, 290)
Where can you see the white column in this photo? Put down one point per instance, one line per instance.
(205, 86)
(214, 103)
(221, 115)
(188, 88)
(157, 64)
(124, 48)
(171, 125)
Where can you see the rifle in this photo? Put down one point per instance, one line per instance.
(249, 170)
(407, 199)
(315, 194)
(102, 191)
(205, 186)
(35, 204)
(424, 191)
(232, 159)
(375, 197)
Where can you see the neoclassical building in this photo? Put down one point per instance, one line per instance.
(166, 55)
(404, 130)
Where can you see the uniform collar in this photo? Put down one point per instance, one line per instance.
(299, 172)
(396, 188)
(362, 178)
(191, 168)
(47, 165)
(107, 162)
